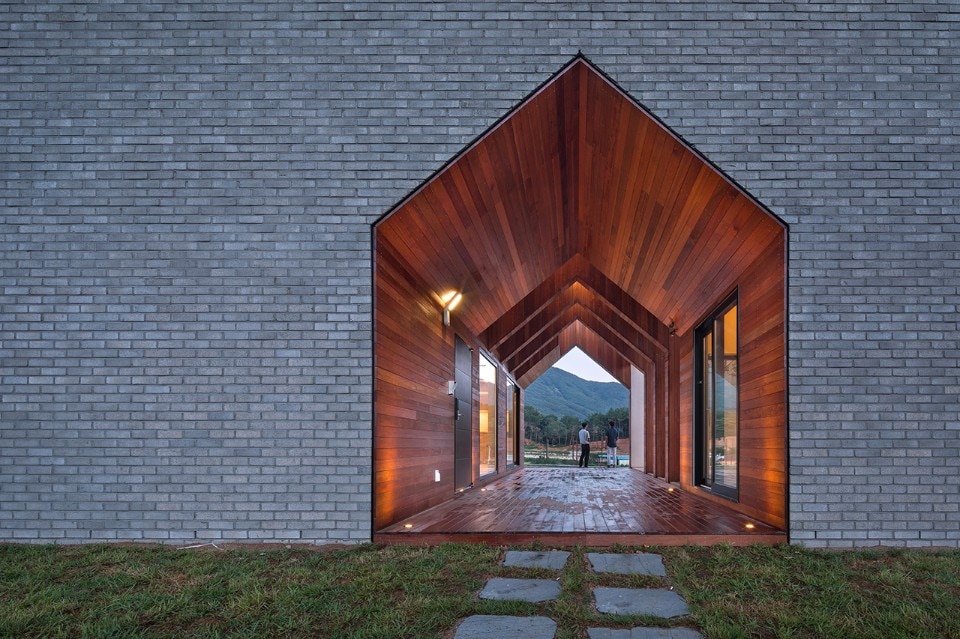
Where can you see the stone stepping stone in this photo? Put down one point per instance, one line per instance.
(655, 602)
(643, 633)
(503, 627)
(553, 559)
(534, 590)
(632, 564)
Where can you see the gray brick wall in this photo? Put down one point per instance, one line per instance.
(187, 193)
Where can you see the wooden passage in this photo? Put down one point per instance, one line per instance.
(597, 506)
(578, 219)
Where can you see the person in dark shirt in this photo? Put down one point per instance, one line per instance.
(612, 435)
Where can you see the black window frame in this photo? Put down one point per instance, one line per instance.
(706, 326)
(512, 401)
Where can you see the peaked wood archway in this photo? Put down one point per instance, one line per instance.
(577, 219)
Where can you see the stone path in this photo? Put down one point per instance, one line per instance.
(552, 559)
(502, 627)
(638, 564)
(534, 590)
(655, 602)
(633, 601)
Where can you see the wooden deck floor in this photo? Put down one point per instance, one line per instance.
(568, 506)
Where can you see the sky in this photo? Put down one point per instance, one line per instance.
(580, 364)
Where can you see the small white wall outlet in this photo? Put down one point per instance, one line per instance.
(436, 475)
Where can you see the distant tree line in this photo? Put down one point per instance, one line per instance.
(562, 431)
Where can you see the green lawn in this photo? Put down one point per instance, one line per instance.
(374, 591)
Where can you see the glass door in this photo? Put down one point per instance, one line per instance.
(717, 397)
(512, 424)
(488, 416)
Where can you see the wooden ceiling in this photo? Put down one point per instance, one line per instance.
(579, 209)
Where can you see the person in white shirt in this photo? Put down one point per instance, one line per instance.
(584, 446)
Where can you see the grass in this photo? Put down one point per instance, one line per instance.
(395, 591)
(787, 592)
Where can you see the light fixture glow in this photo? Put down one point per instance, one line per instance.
(450, 301)
(408, 525)
(750, 526)
(452, 304)
(446, 297)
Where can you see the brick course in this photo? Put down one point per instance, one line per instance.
(188, 189)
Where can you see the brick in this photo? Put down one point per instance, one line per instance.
(186, 298)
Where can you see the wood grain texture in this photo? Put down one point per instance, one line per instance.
(763, 399)
(572, 539)
(579, 220)
(579, 170)
(569, 502)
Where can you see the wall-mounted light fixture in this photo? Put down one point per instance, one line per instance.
(450, 301)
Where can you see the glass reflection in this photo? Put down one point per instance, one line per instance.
(511, 422)
(488, 416)
(718, 376)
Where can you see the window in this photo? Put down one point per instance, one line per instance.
(488, 416)
(512, 426)
(717, 398)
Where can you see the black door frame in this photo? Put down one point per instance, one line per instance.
(462, 416)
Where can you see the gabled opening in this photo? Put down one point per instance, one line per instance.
(575, 389)
(579, 363)
(579, 219)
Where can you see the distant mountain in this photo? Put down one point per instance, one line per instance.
(560, 393)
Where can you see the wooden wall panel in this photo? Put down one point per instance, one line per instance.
(685, 408)
(657, 219)
(414, 420)
(672, 395)
(413, 432)
(763, 400)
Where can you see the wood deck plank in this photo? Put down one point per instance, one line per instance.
(600, 506)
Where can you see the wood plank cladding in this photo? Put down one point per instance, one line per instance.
(579, 170)
(413, 429)
(763, 398)
(577, 220)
